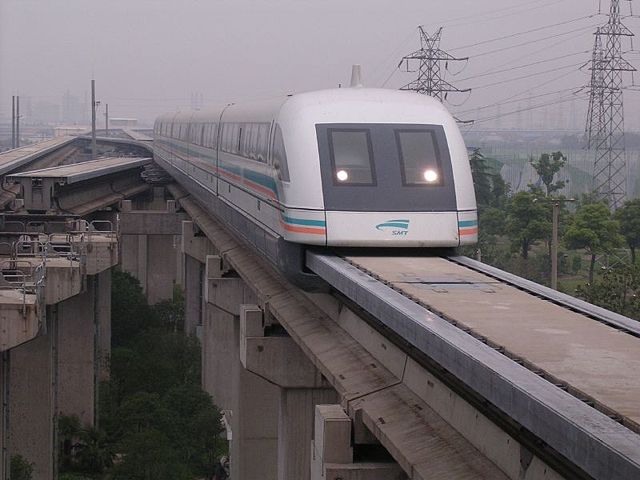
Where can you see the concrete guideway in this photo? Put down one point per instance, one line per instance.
(381, 388)
(596, 444)
(79, 172)
(139, 136)
(81, 188)
(566, 347)
(19, 157)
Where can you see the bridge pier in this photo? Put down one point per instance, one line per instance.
(268, 352)
(57, 373)
(150, 247)
(249, 401)
(195, 252)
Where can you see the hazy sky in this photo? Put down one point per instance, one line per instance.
(149, 56)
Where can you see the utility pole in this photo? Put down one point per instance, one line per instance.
(18, 121)
(554, 245)
(94, 148)
(13, 121)
(427, 62)
(604, 130)
(106, 119)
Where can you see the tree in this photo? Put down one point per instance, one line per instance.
(629, 218)
(527, 222)
(618, 290)
(481, 178)
(593, 229)
(130, 312)
(20, 468)
(499, 191)
(547, 166)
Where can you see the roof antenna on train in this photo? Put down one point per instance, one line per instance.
(356, 76)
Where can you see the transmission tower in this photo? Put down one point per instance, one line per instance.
(605, 120)
(427, 62)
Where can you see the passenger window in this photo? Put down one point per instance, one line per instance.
(351, 157)
(419, 157)
(279, 156)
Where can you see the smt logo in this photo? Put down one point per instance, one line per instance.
(398, 228)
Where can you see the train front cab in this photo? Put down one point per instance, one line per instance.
(392, 185)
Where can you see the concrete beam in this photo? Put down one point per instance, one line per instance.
(194, 243)
(144, 222)
(19, 318)
(332, 451)
(277, 359)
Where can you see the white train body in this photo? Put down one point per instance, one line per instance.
(351, 167)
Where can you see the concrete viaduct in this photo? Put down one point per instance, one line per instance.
(428, 368)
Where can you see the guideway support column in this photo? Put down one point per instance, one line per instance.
(268, 352)
(250, 403)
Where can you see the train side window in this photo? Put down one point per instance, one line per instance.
(279, 155)
(351, 157)
(262, 143)
(419, 157)
(225, 137)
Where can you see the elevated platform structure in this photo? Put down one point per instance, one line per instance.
(75, 188)
(139, 136)
(12, 160)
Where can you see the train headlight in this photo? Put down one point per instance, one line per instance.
(431, 176)
(342, 175)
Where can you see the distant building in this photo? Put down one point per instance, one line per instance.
(70, 130)
(123, 122)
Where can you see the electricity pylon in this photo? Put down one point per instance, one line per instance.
(605, 120)
(429, 60)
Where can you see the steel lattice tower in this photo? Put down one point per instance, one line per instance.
(429, 58)
(605, 120)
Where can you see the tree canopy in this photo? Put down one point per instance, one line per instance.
(527, 222)
(155, 420)
(629, 218)
(547, 167)
(593, 229)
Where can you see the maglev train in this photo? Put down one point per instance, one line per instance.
(347, 167)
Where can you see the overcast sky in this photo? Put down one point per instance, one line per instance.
(149, 56)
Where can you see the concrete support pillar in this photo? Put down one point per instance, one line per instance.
(251, 403)
(332, 451)
(32, 381)
(76, 354)
(161, 270)
(280, 361)
(193, 273)
(103, 325)
(142, 258)
(295, 429)
(5, 363)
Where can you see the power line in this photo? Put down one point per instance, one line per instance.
(528, 90)
(475, 21)
(518, 67)
(518, 34)
(534, 107)
(509, 102)
(531, 75)
(529, 42)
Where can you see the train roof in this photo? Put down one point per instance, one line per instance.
(267, 110)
